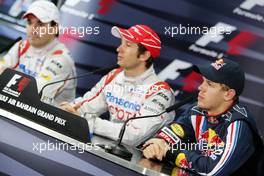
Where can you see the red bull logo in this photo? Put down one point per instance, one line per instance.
(205, 135)
(216, 141)
(181, 161)
(212, 138)
(184, 163)
(211, 143)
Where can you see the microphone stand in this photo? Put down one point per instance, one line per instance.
(120, 150)
(100, 70)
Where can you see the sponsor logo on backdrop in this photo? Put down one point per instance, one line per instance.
(72, 7)
(236, 45)
(105, 6)
(74, 2)
(212, 37)
(246, 10)
(171, 71)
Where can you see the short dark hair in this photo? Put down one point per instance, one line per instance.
(142, 50)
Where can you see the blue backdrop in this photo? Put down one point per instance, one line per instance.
(184, 28)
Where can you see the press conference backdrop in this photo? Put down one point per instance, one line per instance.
(191, 31)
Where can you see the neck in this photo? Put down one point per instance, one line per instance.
(134, 72)
(220, 109)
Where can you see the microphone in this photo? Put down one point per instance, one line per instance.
(100, 70)
(10, 45)
(120, 150)
(182, 102)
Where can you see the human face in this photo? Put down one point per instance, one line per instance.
(128, 55)
(39, 34)
(211, 96)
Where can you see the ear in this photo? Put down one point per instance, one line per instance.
(144, 57)
(230, 94)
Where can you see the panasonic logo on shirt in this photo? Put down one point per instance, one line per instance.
(22, 68)
(122, 102)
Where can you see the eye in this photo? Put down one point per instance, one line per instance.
(40, 23)
(209, 82)
(128, 44)
(29, 22)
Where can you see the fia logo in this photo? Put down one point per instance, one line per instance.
(73, 3)
(216, 34)
(249, 4)
(16, 85)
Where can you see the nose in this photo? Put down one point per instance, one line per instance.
(33, 29)
(119, 48)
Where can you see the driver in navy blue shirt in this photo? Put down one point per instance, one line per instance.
(216, 135)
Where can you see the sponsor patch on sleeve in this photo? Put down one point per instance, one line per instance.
(168, 135)
(181, 161)
(177, 129)
(2, 61)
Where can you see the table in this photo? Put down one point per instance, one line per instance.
(28, 149)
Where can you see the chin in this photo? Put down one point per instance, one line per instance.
(120, 64)
(201, 105)
(35, 44)
(33, 41)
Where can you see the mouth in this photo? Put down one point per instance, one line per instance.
(119, 58)
(34, 37)
(200, 97)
